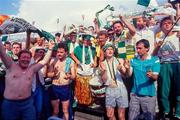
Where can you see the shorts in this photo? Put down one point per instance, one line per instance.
(60, 92)
(116, 97)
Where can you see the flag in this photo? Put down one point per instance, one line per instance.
(143, 2)
(148, 3)
(48, 35)
(100, 21)
(3, 18)
(4, 38)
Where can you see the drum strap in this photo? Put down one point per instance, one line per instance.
(112, 73)
(89, 52)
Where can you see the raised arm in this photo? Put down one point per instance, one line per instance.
(46, 59)
(4, 57)
(157, 47)
(97, 29)
(28, 40)
(131, 28)
(51, 71)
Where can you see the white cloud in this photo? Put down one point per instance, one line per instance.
(46, 12)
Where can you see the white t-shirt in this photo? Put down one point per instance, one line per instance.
(147, 34)
(169, 50)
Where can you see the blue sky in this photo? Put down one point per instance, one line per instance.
(9, 7)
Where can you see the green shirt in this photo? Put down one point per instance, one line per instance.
(78, 53)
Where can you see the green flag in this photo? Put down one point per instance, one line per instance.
(144, 2)
(4, 38)
(48, 35)
(148, 3)
(108, 7)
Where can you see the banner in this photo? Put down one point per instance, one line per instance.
(16, 25)
(17, 37)
(107, 11)
(125, 51)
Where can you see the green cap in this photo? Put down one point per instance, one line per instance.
(87, 37)
(106, 46)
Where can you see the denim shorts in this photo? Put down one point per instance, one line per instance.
(60, 92)
(117, 97)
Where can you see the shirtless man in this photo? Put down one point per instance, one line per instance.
(61, 71)
(17, 95)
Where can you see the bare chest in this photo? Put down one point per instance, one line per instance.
(60, 66)
(19, 76)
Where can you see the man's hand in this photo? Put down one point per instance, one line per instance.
(149, 74)
(121, 17)
(56, 72)
(127, 64)
(102, 67)
(67, 76)
(28, 31)
(93, 65)
(51, 44)
(159, 44)
(95, 21)
(121, 68)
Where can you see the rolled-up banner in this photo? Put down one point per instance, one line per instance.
(18, 25)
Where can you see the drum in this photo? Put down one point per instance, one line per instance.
(97, 88)
(82, 90)
(85, 70)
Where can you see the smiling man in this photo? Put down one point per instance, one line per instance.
(18, 103)
(61, 71)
